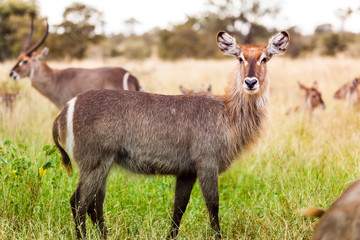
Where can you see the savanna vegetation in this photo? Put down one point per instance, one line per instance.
(298, 163)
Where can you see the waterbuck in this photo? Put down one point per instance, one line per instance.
(192, 136)
(59, 86)
(311, 101)
(342, 219)
(349, 92)
(8, 100)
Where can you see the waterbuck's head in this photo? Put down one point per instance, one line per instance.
(253, 58)
(313, 97)
(28, 57)
(347, 89)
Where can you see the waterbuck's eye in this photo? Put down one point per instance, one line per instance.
(25, 61)
(264, 60)
(241, 60)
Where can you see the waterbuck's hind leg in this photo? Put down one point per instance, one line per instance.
(89, 184)
(96, 212)
(183, 188)
(208, 180)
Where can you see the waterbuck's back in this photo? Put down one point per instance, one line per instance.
(150, 133)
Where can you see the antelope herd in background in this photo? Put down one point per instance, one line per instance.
(59, 86)
(191, 136)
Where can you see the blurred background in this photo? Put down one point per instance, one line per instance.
(174, 30)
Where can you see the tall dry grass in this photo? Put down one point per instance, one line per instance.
(297, 163)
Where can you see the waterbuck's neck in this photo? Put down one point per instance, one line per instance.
(43, 79)
(246, 113)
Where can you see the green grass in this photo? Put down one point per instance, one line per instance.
(296, 164)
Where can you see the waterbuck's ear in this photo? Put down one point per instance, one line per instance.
(227, 44)
(315, 85)
(278, 44)
(302, 86)
(42, 54)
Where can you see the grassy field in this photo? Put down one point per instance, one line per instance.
(298, 163)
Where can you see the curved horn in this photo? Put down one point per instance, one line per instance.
(27, 43)
(28, 53)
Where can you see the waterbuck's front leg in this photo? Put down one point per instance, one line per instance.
(183, 189)
(208, 180)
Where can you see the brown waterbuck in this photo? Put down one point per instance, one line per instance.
(201, 89)
(59, 86)
(310, 101)
(349, 92)
(8, 100)
(342, 219)
(192, 136)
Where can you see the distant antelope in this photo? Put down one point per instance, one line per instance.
(341, 220)
(311, 100)
(59, 86)
(201, 89)
(192, 136)
(349, 92)
(8, 100)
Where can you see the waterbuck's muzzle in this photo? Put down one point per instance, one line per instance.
(251, 85)
(14, 75)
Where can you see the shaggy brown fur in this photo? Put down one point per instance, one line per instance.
(194, 136)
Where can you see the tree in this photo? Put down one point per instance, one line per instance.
(78, 29)
(11, 35)
(343, 15)
(245, 17)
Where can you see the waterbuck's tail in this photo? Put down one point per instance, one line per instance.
(65, 160)
(312, 212)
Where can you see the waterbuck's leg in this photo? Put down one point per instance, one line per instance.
(89, 184)
(208, 180)
(183, 189)
(96, 212)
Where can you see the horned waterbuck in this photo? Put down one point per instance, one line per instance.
(59, 86)
(342, 219)
(192, 136)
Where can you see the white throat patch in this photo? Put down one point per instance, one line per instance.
(31, 74)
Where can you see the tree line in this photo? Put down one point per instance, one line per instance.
(80, 34)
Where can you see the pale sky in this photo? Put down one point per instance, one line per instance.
(306, 14)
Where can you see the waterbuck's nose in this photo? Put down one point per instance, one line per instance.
(251, 82)
(11, 73)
